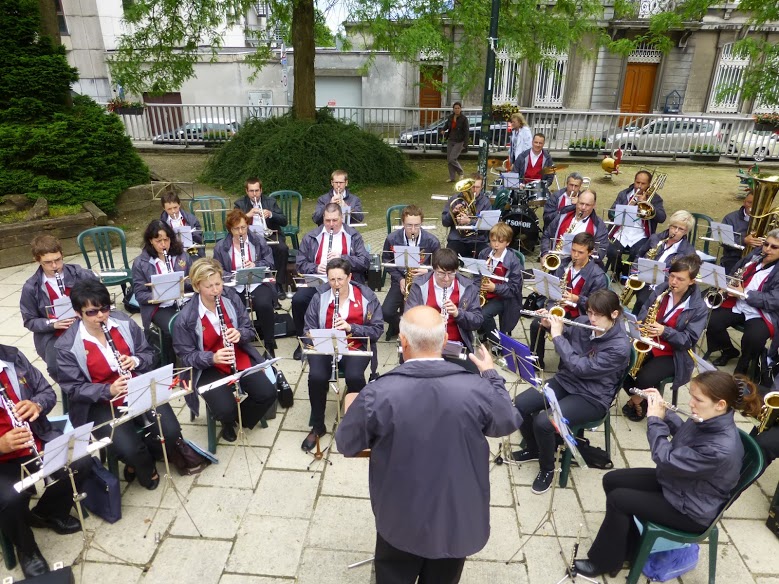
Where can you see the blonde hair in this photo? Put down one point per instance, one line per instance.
(683, 217)
(518, 117)
(202, 270)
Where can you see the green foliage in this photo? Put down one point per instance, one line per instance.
(79, 155)
(300, 155)
(710, 149)
(588, 143)
(771, 119)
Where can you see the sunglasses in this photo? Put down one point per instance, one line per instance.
(94, 311)
(770, 245)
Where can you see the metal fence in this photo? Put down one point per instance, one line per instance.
(648, 134)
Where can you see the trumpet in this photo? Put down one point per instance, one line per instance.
(673, 408)
(565, 320)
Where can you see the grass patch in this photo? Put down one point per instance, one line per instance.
(55, 211)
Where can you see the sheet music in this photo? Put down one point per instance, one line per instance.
(650, 271)
(139, 396)
(184, 233)
(63, 308)
(547, 285)
(488, 219)
(713, 275)
(248, 371)
(407, 256)
(627, 216)
(323, 340)
(55, 456)
(166, 287)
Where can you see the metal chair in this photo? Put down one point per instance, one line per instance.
(751, 467)
(290, 203)
(104, 242)
(207, 208)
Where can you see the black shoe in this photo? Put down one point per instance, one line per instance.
(129, 474)
(725, 356)
(61, 525)
(543, 481)
(281, 295)
(310, 441)
(298, 354)
(228, 432)
(32, 564)
(153, 482)
(524, 455)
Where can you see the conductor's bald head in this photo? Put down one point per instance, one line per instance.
(422, 333)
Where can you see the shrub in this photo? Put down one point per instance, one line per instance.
(287, 153)
(706, 149)
(588, 143)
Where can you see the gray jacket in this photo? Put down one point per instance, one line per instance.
(35, 299)
(188, 338)
(482, 204)
(700, 466)
(373, 320)
(191, 221)
(260, 252)
(550, 206)
(358, 256)
(143, 270)
(685, 248)
(427, 243)
(510, 292)
(767, 299)
(683, 337)
(594, 279)
(657, 202)
(740, 225)
(74, 377)
(470, 316)
(592, 367)
(601, 235)
(29, 383)
(425, 423)
(349, 199)
(277, 218)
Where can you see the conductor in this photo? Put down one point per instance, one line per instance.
(427, 526)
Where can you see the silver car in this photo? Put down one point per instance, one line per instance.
(666, 136)
(754, 144)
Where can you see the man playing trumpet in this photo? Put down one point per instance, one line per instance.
(340, 195)
(563, 201)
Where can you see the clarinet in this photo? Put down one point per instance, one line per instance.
(336, 308)
(114, 350)
(444, 313)
(243, 263)
(16, 422)
(330, 243)
(60, 282)
(225, 343)
(168, 262)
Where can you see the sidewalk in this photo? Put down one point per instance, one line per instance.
(265, 519)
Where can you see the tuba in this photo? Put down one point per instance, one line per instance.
(763, 217)
(646, 210)
(769, 414)
(465, 204)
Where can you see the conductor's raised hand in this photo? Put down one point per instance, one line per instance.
(482, 359)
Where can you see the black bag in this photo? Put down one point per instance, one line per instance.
(286, 397)
(104, 498)
(534, 301)
(594, 457)
(186, 460)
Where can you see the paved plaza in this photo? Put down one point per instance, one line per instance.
(261, 516)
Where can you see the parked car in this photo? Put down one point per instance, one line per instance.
(200, 131)
(431, 135)
(754, 144)
(666, 135)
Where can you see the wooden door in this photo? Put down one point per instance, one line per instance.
(429, 96)
(163, 120)
(639, 87)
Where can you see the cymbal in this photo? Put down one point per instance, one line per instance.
(554, 168)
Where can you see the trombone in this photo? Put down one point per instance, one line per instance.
(646, 210)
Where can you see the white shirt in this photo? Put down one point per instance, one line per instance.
(108, 354)
(757, 280)
(669, 251)
(53, 283)
(534, 157)
(343, 303)
(324, 238)
(213, 318)
(629, 236)
(439, 292)
(496, 260)
(175, 222)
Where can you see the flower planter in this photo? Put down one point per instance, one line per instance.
(581, 153)
(704, 157)
(765, 127)
(129, 111)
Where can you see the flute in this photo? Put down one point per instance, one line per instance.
(225, 343)
(673, 408)
(336, 308)
(565, 320)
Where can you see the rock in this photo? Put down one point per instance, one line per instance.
(100, 217)
(39, 210)
(19, 202)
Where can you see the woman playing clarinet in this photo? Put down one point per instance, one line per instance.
(162, 254)
(96, 358)
(212, 334)
(694, 475)
(674, 316)
(248, 249)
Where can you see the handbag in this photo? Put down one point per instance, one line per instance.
(285, 395)
(669, 564)
(103, 497)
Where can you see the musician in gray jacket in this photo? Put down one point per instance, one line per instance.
(466, 242)
(359, 315)
(454, 296)
(739, 221)
(582, 220)
(339, 195)
(319, 246)
(52, 280)
(175, 216)
(531, 163)
(563, 201)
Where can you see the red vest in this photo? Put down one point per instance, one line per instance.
(669, 321)
(6, 425)
(355, 315)
(573, 311)
(565, 223)
(452, 332)
(213, 342)
(533, 171)
(321, 249)
(499, 270)
(98, 367)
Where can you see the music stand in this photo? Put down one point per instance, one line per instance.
(309, 280)
(626, 216)
(271, 236)
(167, 288)
(184, 233)
(547, 285)
(511, 180)
(479, 268)
(715, 276)
(60, 309)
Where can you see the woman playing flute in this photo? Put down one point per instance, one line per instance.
(694, 475)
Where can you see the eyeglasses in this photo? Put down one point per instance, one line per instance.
(770, 245)
(94, 311)
(593, 313)
(52, 262)
(447, 275)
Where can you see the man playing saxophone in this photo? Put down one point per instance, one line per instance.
(673, 316)
(412, 235)
(580, 277)
(583, 220)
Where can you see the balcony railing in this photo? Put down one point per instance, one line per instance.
(667, 135)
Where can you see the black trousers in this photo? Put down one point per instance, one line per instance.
(394, 566)
(629, 492)
(56, 501)
(300, 302)
(537, 429)
(50, 356)
(320, 370)
(753, 341)
(538, 340)
(652, 372)
(132, 448)
(614, 254)
(221, 400)
(728, 261)
(280, 253)
(161, 318)
(392, 307)
(467, 249)
(262, 298)
(490, 310)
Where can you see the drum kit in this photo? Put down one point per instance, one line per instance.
(518, 202)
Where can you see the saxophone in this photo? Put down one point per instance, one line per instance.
(559, 308)
(642, 347)
(484, 281)
(553, 259)
(769, 414)
(652, 253)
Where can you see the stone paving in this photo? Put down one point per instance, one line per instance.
(262, 516)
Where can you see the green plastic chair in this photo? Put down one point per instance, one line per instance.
(290, 202)
(751, 466)
(390, 212)
(104, 241)
(565, 466)
(702, 228)
(520, 256)
(207, 208)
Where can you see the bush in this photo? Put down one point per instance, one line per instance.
(81, 154)
(299, 155)
(706, 149)
(588, 143)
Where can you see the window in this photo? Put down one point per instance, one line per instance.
(61, 18)
(506, 77)
(730, 71)
(550, 80)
